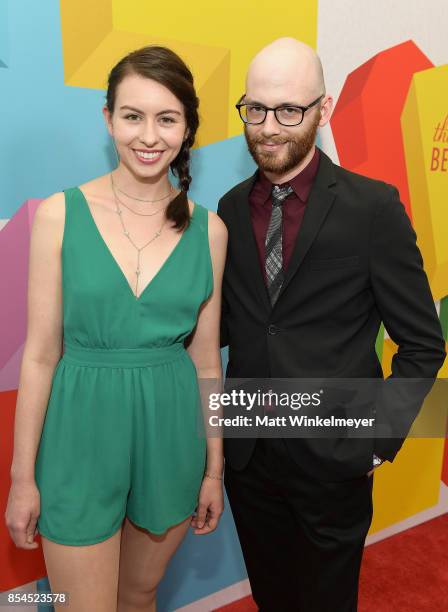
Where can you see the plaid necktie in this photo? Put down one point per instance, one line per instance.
(273, 243)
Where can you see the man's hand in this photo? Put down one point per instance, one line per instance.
(377, 461)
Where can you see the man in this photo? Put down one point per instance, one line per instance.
(318, 256)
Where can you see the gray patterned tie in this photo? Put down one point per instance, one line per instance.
(273, 243)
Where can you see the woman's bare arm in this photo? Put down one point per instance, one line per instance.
(204, 348)
(43, 343)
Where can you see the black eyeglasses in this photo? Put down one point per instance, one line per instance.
(285, 114)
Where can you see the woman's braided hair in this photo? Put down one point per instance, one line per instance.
(165, 67)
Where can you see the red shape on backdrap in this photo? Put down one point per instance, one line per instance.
(19, 566)
(366, 120)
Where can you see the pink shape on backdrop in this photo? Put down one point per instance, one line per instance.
(14, 257)
(9, 374)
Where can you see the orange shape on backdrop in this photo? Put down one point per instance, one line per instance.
(366, 119)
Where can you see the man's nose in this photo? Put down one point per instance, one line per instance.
(270, 126)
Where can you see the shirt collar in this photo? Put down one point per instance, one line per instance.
(301, 183)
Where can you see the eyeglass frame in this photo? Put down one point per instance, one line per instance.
(238, 105)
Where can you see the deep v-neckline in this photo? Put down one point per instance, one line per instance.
(114, 260)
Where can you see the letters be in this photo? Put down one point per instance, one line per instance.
(439, 159)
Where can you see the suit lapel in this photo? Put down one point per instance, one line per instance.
(247, 246)
(319, 203)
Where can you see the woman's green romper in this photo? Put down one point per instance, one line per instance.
(121, 434)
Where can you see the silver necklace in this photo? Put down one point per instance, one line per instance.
(138, 249)
(130, 209)
(140, 199)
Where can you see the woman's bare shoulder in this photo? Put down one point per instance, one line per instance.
(217, 227)
(49, 221)
(97, 186)
(51, 208)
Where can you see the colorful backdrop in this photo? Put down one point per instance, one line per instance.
(387, 71)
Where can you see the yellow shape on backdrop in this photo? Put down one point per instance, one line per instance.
(411, 483)
(389, 350)
(443, 372)
(424, 124)
(217, 40)
(84, 25)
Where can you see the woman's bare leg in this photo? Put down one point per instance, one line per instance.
(89, 574)
(143, 560)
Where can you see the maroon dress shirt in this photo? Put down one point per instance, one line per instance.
(260, 202)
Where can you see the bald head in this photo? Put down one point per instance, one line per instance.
(282, 76)
(286, 67)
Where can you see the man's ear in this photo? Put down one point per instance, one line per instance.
(326, 110)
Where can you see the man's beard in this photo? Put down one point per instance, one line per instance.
(297, 148)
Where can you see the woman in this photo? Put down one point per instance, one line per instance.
(124, 271)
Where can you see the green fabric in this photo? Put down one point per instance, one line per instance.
(444, 316)
(120, 435)
(379, 343)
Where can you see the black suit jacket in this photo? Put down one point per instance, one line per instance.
(355, 263)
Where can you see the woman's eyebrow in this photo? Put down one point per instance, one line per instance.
(169, 110)
(132, 108)
(126, 107)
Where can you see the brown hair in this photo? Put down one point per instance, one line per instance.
(167, 68)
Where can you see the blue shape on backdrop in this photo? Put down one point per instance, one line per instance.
(53, 136)
(43, 586)
(4, 34)
(202, 565)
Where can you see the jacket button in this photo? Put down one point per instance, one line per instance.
(272, 330)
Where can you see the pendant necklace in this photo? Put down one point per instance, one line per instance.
(138, 249)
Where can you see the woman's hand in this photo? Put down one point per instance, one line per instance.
(22, 512)
(210, 506)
